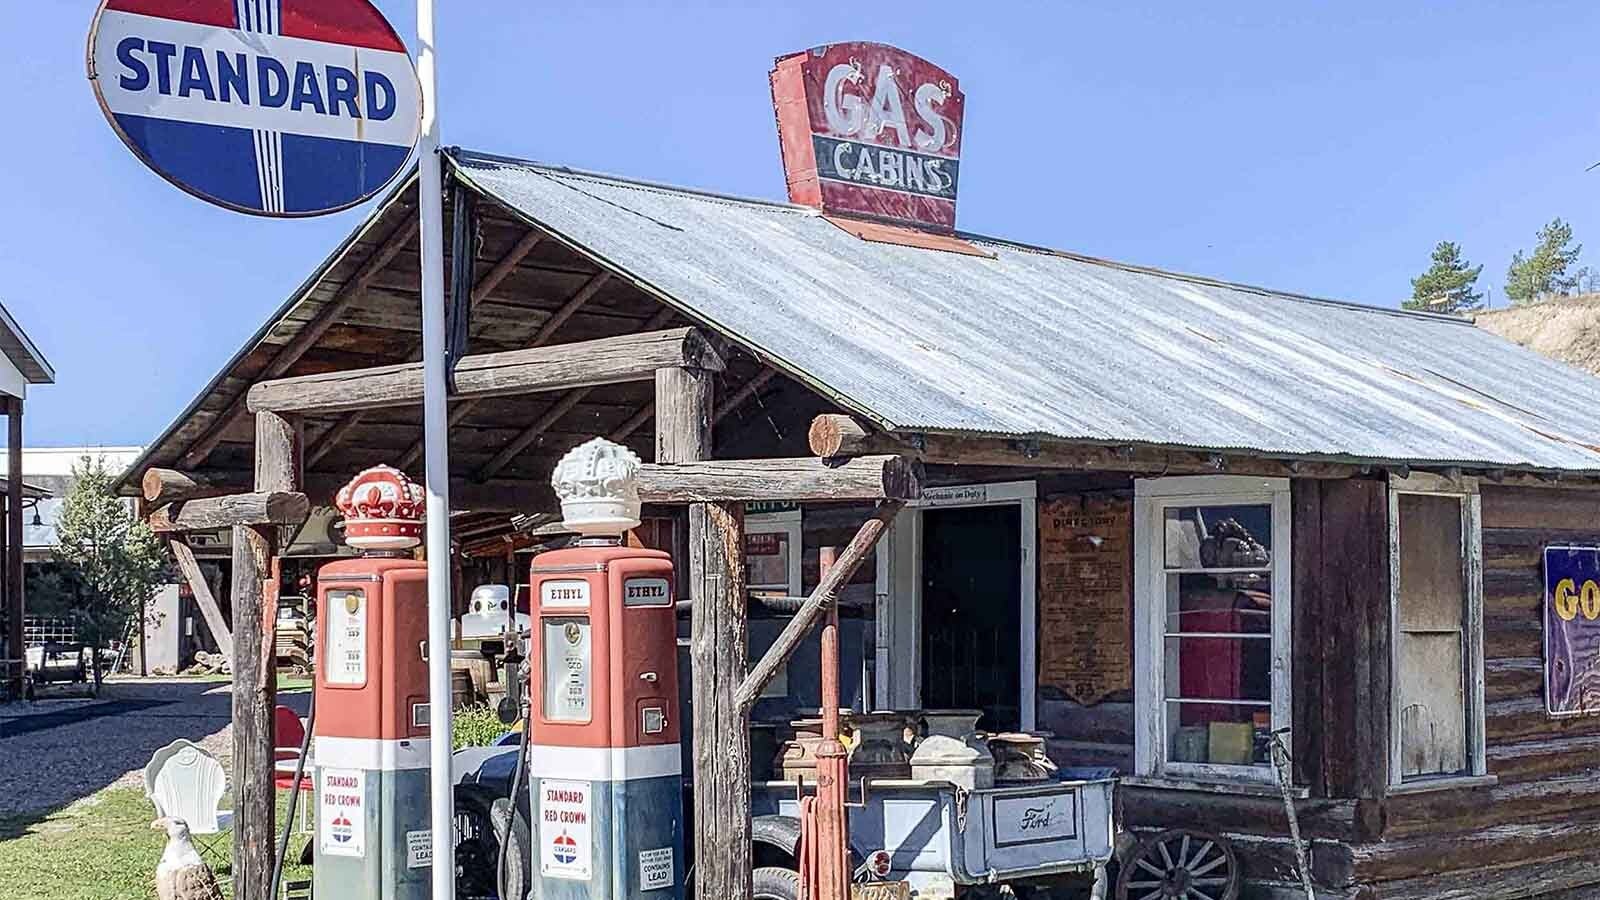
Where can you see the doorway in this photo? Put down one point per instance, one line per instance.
(972, 612)
(956, 576)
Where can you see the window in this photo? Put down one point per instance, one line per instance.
(1212, 614)
(772, 567)
(1436, 593)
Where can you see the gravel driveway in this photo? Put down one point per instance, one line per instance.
(53, 752)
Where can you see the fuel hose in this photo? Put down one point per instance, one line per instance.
(294, 792)
(523, 673)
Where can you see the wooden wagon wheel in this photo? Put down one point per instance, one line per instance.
(1180, 865)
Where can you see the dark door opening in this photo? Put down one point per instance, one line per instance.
(972, 612)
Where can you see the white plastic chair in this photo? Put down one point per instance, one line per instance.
(185, 782)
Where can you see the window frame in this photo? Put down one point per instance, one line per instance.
(1464, 489)
(791, 524)
(1152, 497)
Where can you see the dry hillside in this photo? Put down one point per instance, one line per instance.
(1567, 329)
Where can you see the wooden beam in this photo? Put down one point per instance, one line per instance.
(717, 645)
(824, 595)
(163, 486)
(718, 654)
(306, 337)
(540, 338)
(743, 394)
(835, 436)
(334, 436)
(530, 434)
(208, 513)
(569, 308)
(563, 366)
(485, 286)
(278, 452)
(15, 599)
(506, 265)
(805, 480)
(183, 554)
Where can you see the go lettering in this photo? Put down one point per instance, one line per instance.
(1570, 599)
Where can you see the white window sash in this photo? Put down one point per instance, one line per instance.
(1152, 498)
(1464, 489)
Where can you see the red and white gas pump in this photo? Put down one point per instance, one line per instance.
(605, 769)
(371, 731)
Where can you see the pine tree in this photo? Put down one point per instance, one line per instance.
(116, 560)
(1544, 272)
(1448, 284)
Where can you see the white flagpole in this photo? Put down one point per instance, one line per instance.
(435, 436)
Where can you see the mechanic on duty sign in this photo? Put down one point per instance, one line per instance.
(272, 107)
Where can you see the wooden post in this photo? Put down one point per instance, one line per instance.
(15, 602)
(255, 601)
(717, 648)
(203, 598)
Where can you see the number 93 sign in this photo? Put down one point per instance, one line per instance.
(1572, 630)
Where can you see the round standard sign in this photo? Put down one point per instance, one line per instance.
(271, 107)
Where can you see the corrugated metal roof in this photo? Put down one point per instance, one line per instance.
(1039, 343)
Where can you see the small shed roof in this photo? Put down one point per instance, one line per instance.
(19, 349)
(1031, 342)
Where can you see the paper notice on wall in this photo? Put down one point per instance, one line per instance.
(419, 849)
(347, 638)
(1085, 596)
(342, 812)
(655, 869)
(566, 845)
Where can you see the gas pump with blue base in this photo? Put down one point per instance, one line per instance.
(370, 736)
(605, 770)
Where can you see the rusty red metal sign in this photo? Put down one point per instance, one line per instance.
(869, 129)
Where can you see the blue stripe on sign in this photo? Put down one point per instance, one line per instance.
(320, 173)
(213, 159)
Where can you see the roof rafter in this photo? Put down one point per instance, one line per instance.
(305, 338)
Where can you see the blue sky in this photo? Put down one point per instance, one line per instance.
(1321, 148)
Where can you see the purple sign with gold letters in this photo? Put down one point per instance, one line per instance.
(1571, 630)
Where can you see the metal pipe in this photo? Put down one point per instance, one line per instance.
(436, 455)
(833, 766)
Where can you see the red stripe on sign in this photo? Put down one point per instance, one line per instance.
(200, 12)
(354, 22)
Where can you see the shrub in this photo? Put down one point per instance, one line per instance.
(476, 726)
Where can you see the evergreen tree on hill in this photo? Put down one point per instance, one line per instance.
(1544, 272)
(1447, 286)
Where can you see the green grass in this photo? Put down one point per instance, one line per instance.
(100, 848)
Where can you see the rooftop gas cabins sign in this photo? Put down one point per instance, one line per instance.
(272, 107)
(868, 129)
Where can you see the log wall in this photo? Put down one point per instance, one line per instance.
(1530, 832)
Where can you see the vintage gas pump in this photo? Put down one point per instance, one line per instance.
(605, 773)
(370, 736)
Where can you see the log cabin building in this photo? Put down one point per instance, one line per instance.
(1162, 516)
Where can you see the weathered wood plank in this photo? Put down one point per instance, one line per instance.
(1463, 809)
(584, 364)
(1308, 738)
(718, 647)
(163, 486)
(718, 650)
(820, 600)
(833, 435)
(1225, 811)
(208, 513)
(189, 567)
(805, 479)
(254, 697)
